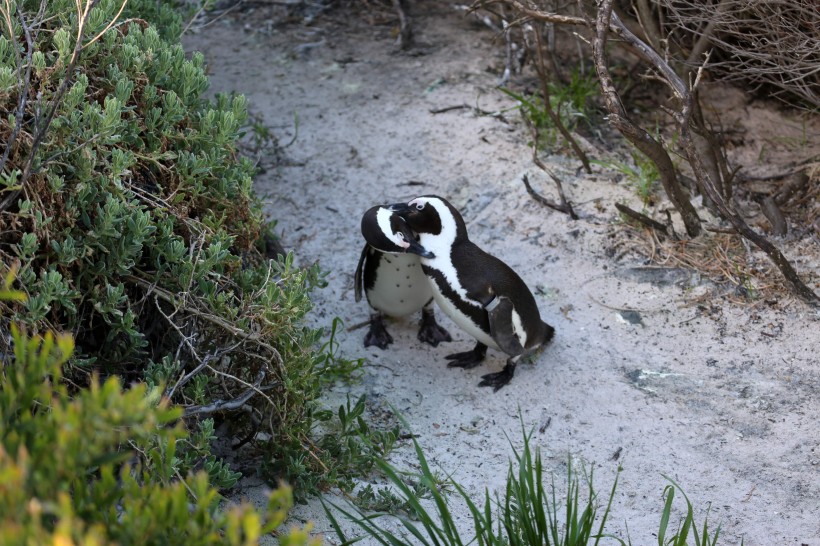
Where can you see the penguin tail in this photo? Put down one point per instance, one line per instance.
(548, 332)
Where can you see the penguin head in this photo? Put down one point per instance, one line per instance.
(386, 231)
(437, 223)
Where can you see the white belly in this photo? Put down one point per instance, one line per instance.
(401, 287)
(463, 321)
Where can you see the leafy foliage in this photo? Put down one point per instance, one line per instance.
(126, 202)
(572, 103)
(643, 177)
(347, 444)
(66, 478)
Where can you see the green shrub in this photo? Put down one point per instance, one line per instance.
(136, 183)
(131, 212)
(66, 478)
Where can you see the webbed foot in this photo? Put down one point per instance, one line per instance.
(377, 334)
(468, 359)
(498, 379)
(431, 332)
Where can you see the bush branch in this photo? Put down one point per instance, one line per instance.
(619, 119)
(228, 405)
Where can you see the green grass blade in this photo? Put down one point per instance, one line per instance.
(361, 520)
(669, 493)
(600, 533)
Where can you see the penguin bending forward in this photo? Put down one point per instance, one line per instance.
(479, 292)
(390, 274)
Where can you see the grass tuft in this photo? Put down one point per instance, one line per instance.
(527, 513)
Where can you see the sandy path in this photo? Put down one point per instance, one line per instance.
(727, 404)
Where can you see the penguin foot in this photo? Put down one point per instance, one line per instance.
(468, 359)
(378, 334)
(498, 379)
(430, 331)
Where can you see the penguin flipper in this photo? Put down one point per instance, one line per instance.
(358, 279)
(500, 311)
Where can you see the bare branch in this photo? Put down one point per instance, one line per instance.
(228, 405)
(539, 15)
(760, 41)
(564, 206)
(642, 218)
(23, 81)
(213, 319)
(619, 119)
(553, 115)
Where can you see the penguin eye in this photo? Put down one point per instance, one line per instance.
(400, 235)
(419, 206)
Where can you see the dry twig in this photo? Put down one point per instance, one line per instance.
(766, 42)
(642, 218)
(228, 405)
(541, 70)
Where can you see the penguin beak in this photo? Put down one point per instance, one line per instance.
(399, 208)
(416, 248)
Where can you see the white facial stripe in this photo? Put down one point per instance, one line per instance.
(441, 244)
(383, 216)
(448, 223)
(444, 240)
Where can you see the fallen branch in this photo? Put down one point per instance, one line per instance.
(478, 111)
(564, 206)
(642, 218)
(358, 326)
(449, 108)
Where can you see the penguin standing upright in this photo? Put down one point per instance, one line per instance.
(390, 274)
(479, 292)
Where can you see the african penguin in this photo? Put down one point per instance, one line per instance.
(479, 292)
(392, 278)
